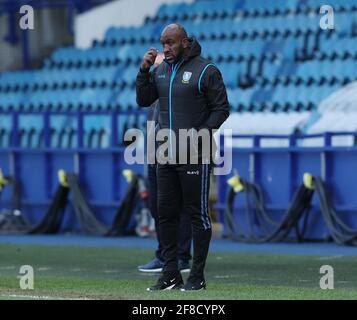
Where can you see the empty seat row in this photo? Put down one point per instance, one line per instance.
(59, 100)
(280, 98)
(64, 130)
(98, 55)
(123, 35)
(54, 78)
(335, 47)
(338, 71)
(307, 73)
(212, 9)
(255, 28)
(346, 5)
(281, 71)
(207, 8)
(218, 49)
(303, 95)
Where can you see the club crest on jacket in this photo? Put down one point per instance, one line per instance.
(186, 77)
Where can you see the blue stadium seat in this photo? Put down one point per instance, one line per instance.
(141, 123)
(337, 48)
(87, 99)
(289, 49)
(31, 130)
(274, 48)
(11, 101)
(233, 98)
(244, 99)
(5, 131)
(343, 23)
(58, 137)
(122, 120)
(308, 22)
(270, 71)
(110, 34)
(230, 73)
(279, 97)
(129, 75)
(90, 124)
(68, 133)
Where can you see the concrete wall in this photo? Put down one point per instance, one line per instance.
(10, 56)
(50, 31)
(92, 24)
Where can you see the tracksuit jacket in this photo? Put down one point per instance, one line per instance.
(191, 93)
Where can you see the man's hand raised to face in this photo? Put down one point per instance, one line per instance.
(148, 59)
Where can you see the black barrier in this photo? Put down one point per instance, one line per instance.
(299, 209)
(13, 222)
(272, 231)
(339, 231)
(88, 222)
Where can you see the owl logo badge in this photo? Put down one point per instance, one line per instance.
(186, 77)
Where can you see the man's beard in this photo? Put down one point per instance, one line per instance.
(177, 58)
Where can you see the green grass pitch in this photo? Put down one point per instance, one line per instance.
(70, 272)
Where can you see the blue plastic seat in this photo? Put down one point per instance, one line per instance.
(278, 95)
(91, 124)
(11, 101)
(244, 97)
(230, 73)
(270, 71)
(5, 131)
(233, 98)
(122, 120)
(30, 128)
(343, 23)
(110, 34)
(56, 125)
(290, 46)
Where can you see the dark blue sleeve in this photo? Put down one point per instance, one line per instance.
(215, 92)
(146, 92)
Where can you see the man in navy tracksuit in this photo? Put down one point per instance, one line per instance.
(185, 232)
(192, 95)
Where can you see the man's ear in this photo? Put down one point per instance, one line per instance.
(185, 43)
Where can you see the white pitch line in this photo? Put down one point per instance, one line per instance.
(40, 297)
(43, 268)
(111, 271)
(149, 274)
(76, 270)
(329, 258)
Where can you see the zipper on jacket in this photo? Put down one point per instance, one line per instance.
(174, 69)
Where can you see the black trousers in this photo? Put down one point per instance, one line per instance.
(185, 230)
(184, 188)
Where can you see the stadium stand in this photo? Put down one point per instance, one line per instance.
(274, 58)
(282, 71)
